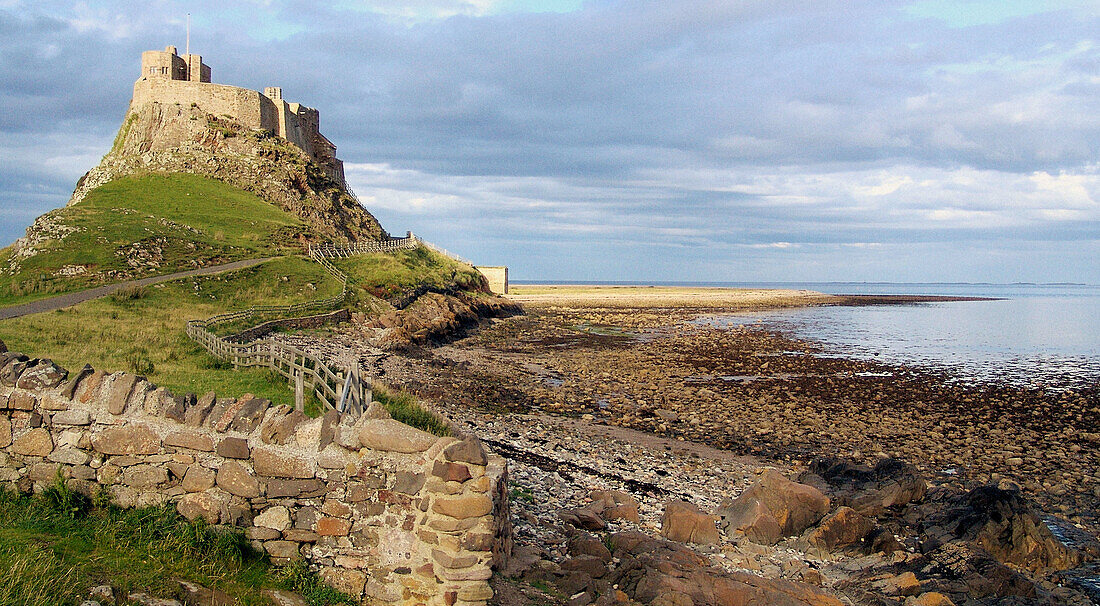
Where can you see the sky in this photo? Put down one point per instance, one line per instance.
(599, 140)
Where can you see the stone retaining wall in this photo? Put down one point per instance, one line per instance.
(383, 511)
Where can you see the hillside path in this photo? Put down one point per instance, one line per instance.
(70, 299)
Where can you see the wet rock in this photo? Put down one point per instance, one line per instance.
(1005, 525)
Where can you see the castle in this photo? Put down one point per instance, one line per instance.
(168, 78)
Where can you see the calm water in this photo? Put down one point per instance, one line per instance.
(1036, 335)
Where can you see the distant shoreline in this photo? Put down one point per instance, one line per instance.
(704, 297)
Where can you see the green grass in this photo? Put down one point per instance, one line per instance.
(403, 407)
(178, 221)
(385, 275)
(56, 545)
(142, 330)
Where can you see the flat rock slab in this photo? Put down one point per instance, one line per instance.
(394, 436)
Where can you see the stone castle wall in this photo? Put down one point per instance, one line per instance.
(294, 122)
(385, 512)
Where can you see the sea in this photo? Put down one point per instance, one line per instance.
(1043, 336)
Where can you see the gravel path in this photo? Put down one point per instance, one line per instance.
(68, 300)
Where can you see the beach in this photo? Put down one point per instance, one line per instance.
(633, 357)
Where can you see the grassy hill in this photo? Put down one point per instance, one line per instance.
(194, 221)
(143, 226)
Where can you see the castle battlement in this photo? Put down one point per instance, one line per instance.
(168, 78)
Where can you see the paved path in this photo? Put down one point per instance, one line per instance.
(73, 298)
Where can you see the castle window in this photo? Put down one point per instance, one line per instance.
(152, 70)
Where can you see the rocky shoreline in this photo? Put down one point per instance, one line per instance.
(646, 403)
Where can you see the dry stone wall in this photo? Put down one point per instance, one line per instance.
(384, 511)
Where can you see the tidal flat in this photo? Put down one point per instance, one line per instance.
(633, 357)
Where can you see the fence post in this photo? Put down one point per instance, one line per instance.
(299, 392)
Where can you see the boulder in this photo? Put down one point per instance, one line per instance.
(685, 523)
(870, 491)
(794, 507)
(842, 529)
(616, 505)
(657, 572)
(394, 436)
(585, 518)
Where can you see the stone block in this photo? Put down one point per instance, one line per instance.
(250, 415)
(21, 400)
(394, 436)
(126, 440)
(89, 388)
(454, 560)
(262, 533)
(200, 505)
(277, 518)
(69, 456)
(300, 535)
(475, 592)
(350, 582)
(451, 472)
(72, 417)
(198, 479)
(34, 443)
(462, 507)
(196, 415)
(43, 375)
(408, 483)
(332, 527)
(190, 440)
(69, 389)
(277, 489)
(5, 431)
(233, 448)
(280, 428)
(285, 550)
(270, 463)
(144, 476)
(228, 414)
(235, 479)
(469, 451)
(329, 422)
(53, 402)
(119, 392)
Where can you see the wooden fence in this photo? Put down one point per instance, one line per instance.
(340, 389)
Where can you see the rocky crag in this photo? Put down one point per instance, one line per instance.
(179, 138)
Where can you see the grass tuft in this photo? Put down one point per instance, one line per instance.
(403, 407)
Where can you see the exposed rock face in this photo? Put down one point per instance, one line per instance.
(891, 483)
(684, 522)
(177, 138)
(661, 573)
(844, 528)
(774, 507)
(1002, 523)
(436, 316)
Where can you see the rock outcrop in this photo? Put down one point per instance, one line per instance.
(774, 507)
(176, 138)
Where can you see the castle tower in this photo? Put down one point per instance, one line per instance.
(168, 65)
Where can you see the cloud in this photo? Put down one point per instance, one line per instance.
(630, 129)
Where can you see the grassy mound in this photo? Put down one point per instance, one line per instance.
(142, 226)
(56, 545)
(385, 275)
(143, 330)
